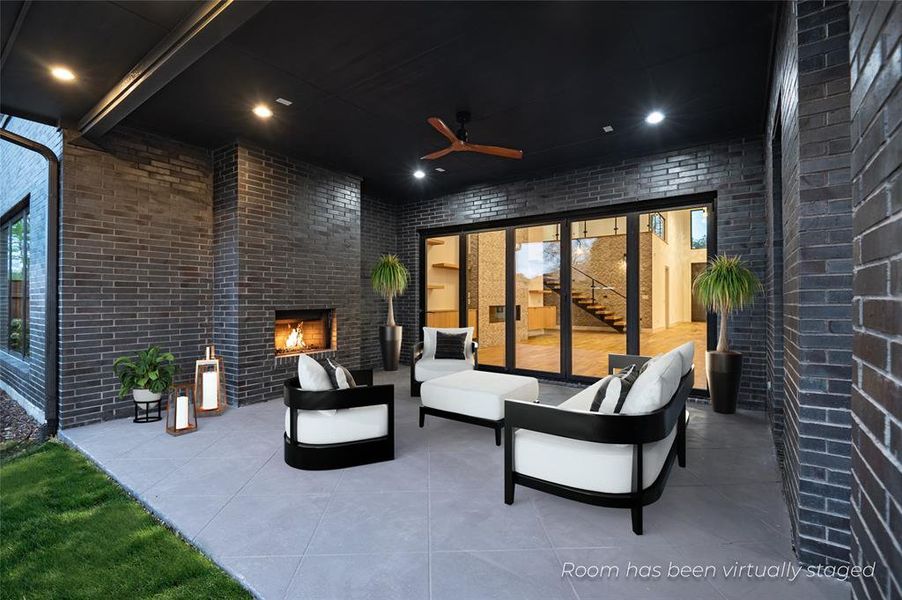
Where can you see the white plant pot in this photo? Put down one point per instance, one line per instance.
(144, 397)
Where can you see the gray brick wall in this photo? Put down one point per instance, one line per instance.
(733, 169)
(876, 99)
(811, 96)
(136, 264)
(24, 173)
(287, 235)
(378, 232)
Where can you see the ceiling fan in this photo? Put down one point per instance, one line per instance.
(459, 141)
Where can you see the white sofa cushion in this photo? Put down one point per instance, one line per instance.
(312, 376)
(587, 465)
(655, 386)
(478, 393)
(687, 355)
(430, 368)
(342, 425)
(429, 338)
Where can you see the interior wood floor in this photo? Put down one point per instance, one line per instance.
(591, 349)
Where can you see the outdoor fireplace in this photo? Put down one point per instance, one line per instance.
(304, 331)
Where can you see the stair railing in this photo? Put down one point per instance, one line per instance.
(597, 284)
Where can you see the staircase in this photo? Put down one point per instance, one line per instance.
(589, 303)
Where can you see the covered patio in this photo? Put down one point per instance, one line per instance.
(433, 524)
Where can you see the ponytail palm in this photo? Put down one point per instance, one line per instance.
(389, 278)
(724, 286)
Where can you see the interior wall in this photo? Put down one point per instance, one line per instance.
(810, 94)
(877, 306)
(136, 264)
(733, 169)
(23, 173)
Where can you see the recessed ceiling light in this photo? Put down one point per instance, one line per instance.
(654, 117)
(607, 129)
(440, 170)
(262, 111)
(419, 174)
(284, 101)
(62, 73)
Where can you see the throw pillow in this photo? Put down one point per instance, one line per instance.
(450, 345)
(429, 334)
(654, 387)
(339, 376)
(312, 376)
(628, 377)
(606, 395)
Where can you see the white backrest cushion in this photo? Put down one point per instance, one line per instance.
(687, 354)
(312, 375)
(429, 338)
(655, 386)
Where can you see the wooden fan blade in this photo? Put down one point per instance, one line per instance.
(495, 151)
(438, 154)
(442, 128)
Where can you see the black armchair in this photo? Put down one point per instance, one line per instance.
(418, 354)
(347, 450)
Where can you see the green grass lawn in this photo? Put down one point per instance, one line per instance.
(67, 531)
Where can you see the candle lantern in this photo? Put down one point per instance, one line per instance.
(181, 416)
(209, 393)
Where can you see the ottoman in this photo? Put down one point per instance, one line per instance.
(475, 397)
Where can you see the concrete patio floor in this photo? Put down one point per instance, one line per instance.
(432, 524)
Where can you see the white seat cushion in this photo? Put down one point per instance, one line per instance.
(430, 368)
(478, 393)
(655, 386)
(586, 465)
(342, 425)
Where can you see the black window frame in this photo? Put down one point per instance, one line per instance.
(20, 212)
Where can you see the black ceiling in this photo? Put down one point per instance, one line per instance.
(363, 78)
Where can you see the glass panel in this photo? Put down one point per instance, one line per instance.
(485, 294)
(598, 307)
(442, 282)
(538, 263)
(668, 313)
(698, 228)
(17, 270)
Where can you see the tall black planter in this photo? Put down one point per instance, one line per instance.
(724, 373)
(390, 342)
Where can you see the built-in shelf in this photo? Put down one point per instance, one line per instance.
(435, 286)
(444, 265)
(435, 242)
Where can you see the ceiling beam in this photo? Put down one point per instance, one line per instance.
(190, 40)
(14, 32)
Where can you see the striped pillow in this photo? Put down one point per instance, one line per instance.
(450, 345)
(339, 376)
(612, 394)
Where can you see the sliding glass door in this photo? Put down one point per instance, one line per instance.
(556, 297)
(598, 294)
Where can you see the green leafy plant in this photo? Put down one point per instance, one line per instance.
(726, 285)
(150, 369)
(389, 278)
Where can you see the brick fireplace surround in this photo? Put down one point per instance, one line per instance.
(169, 244)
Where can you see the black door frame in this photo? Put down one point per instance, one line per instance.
(630, 211)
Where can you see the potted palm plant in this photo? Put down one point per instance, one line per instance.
(726, 285)
(389, 279)
(146, 375)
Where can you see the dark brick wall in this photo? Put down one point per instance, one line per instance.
(24, 173)
(287, 235)
(136, 264)
(876, 105)
(811, 97)
(378, 233)
(733, 169)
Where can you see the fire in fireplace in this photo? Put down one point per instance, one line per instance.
(300, 331)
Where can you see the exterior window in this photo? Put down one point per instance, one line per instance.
(657, 224)
(14, 233)
(698, 229)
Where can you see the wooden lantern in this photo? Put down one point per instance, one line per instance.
(181, 416)
(209, 392)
